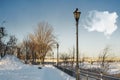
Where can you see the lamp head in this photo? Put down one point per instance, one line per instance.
(77, 14)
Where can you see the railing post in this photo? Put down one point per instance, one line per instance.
(87, 77)
(101, 76)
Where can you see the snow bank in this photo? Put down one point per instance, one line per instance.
(87, 65)
(11, 68)
(10, 62)
(33, 73)
(114, 67)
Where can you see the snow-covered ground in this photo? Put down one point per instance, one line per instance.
(12, 68)
(114, 68)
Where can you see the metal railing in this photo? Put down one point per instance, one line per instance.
(97, 76)
(87, 75)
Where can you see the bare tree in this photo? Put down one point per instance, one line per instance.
(82, 61)
(72, 55)
(41, 41)
(12, 44)
(44, 38)
(33, 47)
(104, 63)
(2, 44)
(19, 53)
(65, 58)
(25, 49)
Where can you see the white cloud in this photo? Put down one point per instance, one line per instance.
(101, 22)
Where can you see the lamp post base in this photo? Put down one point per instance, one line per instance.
(77, 73)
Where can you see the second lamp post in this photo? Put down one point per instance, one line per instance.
(57, 54)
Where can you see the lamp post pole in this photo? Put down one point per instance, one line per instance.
(57, 54)
(77, 15)
(53, 57)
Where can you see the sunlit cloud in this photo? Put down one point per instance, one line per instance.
(101, 22)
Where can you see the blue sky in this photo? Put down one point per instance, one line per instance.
(22, 17)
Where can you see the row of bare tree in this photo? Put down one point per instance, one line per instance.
(36, 45)
(103, 60)
(8, 47)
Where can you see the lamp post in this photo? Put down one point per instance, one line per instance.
(77, 15)
(53, 57)
(57, 54)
